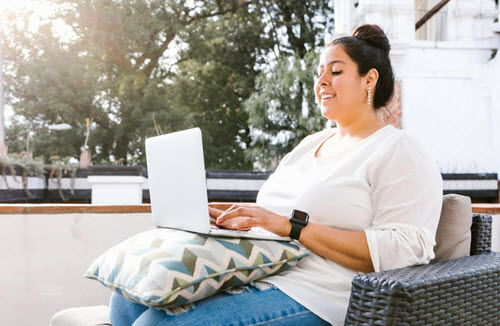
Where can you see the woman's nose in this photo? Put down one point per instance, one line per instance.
(322, 80)
(321, 83)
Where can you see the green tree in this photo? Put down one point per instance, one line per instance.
(107, 67)
(216, 74)
(298, 26)
(283, 109)
(138, 68)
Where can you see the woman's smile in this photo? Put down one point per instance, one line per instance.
(326, 97)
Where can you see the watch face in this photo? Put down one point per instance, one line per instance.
(299, 215)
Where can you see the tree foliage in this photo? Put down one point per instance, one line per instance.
(214, 76)
(283, 109)
(138, 68)
(300, 26)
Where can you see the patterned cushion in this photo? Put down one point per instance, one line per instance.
(166, 268)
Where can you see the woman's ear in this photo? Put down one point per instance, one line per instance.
(371, 78)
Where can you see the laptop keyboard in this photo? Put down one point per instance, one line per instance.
(254, 231)
(228, 230)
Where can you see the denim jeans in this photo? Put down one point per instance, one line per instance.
(250, 307)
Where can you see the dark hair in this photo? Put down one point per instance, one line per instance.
(369, 48)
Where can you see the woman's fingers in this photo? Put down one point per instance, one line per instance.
(214, 212)
(239, 223)
(246, 216)
(234, 212)
(242, 218)
(228, 222)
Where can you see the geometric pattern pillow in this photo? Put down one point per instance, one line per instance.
(164, 268)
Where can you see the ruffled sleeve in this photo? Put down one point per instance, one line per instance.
(407, 196)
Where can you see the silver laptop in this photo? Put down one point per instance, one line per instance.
(177, 186)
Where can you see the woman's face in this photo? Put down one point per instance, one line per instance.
(340, 91)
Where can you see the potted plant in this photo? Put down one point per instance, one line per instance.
(62, 168)
(23, 177)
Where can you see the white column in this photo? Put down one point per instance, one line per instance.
(403, 26)
(344, 11)
(463, 21)
(402, 34)
(116, 190)
(376, 12)
(486, 21)
(496, 26)
(396, 17)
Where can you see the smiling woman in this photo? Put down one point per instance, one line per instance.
(371, 202)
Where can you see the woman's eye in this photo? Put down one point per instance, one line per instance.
(336, 72)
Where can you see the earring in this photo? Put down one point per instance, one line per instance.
(369, 101)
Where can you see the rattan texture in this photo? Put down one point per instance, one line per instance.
(464, 291)
(480, 234)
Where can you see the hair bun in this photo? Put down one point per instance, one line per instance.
(374, 35)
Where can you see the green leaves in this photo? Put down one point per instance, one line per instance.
(282, 111)
(121, 63)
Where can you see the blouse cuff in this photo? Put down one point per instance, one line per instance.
(394, 246)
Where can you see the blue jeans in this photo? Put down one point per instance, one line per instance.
(250, 307)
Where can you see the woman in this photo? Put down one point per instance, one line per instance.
(372, 194)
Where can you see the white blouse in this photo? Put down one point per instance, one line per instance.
(386, 185)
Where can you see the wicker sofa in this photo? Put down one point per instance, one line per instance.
(463, 291)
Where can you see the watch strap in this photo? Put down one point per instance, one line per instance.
(295, 232)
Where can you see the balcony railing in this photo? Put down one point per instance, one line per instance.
(236, 186)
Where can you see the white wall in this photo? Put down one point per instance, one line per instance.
(447, 104)
(47, 256)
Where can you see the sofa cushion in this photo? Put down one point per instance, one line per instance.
(165, 268)
(82, 316)
(453, 236)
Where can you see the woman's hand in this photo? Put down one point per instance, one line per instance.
(243, 216)
(215, 213)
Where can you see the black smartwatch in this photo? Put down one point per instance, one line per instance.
(299, 219)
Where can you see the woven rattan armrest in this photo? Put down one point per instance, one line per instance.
(480, 234)
(464, 291)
